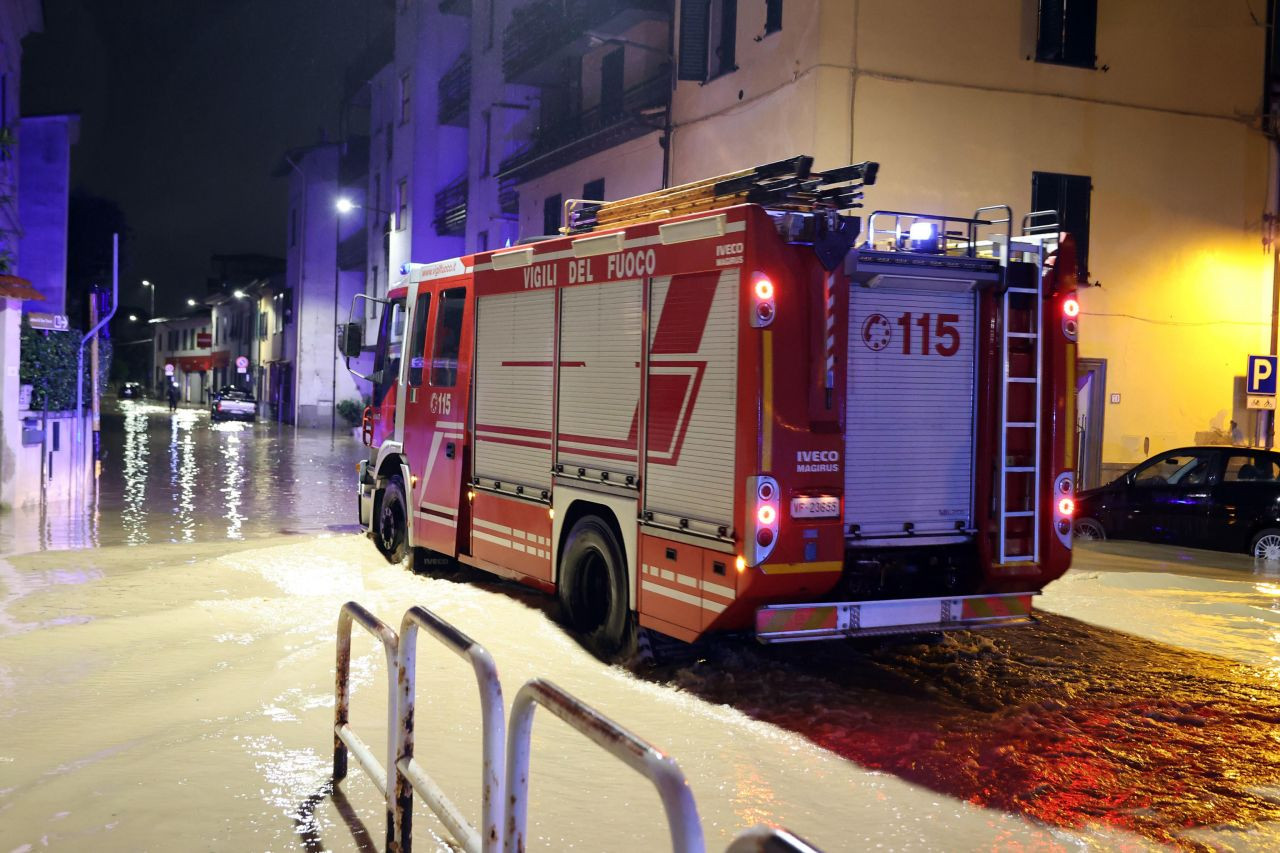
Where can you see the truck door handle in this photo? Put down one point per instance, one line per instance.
(448, 450)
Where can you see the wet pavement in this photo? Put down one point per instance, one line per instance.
(172, 688)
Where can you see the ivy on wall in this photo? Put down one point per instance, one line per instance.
(48, 365)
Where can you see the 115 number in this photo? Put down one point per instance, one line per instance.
(943, 328)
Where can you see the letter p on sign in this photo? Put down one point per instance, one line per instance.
(1261, 378)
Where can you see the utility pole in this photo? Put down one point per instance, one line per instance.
(94, 403)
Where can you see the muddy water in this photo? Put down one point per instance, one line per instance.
(172, 688)
(180, 697)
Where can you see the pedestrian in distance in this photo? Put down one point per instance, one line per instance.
(173, 396)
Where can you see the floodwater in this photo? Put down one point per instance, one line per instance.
(179, 477)
(172, 688)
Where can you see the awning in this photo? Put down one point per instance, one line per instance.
(191, 363)
(19, 288)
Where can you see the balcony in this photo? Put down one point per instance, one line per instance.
(454, 90)
(451, 209)
(542, 34)
(590, 131)
(508, 196)
(456, 7)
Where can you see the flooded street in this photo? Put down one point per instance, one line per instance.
(172, 688)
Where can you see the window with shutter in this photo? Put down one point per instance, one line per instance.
(695, 19)
(1070, 196)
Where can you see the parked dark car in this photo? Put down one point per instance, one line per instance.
(231, 402)
(131, 391)
(1223, 498)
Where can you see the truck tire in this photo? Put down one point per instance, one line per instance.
(390, 523)
(593, 589)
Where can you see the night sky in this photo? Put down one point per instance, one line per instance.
(186, 108)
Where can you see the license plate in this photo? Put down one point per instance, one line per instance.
(815, 507)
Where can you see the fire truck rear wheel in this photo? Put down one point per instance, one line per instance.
(390, 524)
(593, 588)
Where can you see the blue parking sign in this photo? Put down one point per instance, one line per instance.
(1261, 378)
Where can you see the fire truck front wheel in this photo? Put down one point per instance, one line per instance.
(593, 588)
(390, 523)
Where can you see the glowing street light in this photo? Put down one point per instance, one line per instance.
(191, 302)
(344, 205)
(239, 294)
(133, 318)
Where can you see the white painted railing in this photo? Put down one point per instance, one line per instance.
(506, 751)
(344, 738)
(660, 769)
(412, 776)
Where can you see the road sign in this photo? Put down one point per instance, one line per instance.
(242, 365)
(1261, 378)
(204, 340)
(1258, 401)
(168, 370)
(49, 322)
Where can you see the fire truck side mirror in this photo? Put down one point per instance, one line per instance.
(351, 340)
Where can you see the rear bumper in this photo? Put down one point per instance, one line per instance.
(829, 620)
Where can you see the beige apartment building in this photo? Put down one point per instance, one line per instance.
(1147, 132)
(1143, 123)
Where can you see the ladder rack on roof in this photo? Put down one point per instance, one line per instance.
(787, 185)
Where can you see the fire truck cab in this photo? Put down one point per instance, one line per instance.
(723, 407)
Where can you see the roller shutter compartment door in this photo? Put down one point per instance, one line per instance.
(514, 346)
(909, 434)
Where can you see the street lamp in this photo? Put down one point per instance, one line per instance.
(191, 302)
(239, 294)
(343, 205)
(152, 287)
(133, 318)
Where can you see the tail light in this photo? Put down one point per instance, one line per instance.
(763, 298)
(1070, 313)
(1064, 507)
(764, 502)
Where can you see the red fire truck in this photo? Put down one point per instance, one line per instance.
(714, 408)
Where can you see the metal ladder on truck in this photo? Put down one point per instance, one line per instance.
(1019, 463)
(785, 185)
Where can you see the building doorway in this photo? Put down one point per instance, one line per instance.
(1091, 399)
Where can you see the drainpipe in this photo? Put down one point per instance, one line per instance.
(297, 297)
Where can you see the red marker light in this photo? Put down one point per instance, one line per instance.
(766, 515)
(764, 538)
(1066, 506)
(1071, 307)
(764, 289)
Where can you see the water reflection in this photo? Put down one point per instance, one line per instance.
(133, 516)
(183, 423)
(179, 478)
(233, 477)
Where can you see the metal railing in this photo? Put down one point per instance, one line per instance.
(344, 738)
(412, 777)
(504, 772)
(453, 93)
(660, 769)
